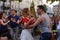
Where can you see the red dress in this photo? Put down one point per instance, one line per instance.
(25, 20)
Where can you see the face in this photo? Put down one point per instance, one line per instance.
(39, 11)
(4, 15)
(13, 12)
(25, 13)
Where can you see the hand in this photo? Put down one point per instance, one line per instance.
(13, 20)
(8, 21)
(31, 19)
(25, 25)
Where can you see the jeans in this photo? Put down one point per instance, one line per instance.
(45, 36)
(58, 34)
(14, 33)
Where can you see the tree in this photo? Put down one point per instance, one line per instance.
(20, 0)
(45, 7)
(32, 9)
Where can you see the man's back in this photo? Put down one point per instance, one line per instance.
(44, 26)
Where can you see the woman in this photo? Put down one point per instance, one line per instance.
(3, 24)
(54, 22)
(58, 29)
(25, 18)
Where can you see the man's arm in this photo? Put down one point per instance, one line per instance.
(39, 20)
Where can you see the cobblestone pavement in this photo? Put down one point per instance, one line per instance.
(36, 37)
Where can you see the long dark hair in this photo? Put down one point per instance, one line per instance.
(1, 14)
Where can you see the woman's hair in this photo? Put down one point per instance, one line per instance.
(1, 14)
(25, 11)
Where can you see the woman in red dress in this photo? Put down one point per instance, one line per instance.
(25, 18)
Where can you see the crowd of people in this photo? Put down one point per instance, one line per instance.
(27, 22)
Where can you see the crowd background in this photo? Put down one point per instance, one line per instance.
(17, 30)
(35, 32)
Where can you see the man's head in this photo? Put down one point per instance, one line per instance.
(40, 9)
(13, 12)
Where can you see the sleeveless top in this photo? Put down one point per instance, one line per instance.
(44, 26)
(2, 27)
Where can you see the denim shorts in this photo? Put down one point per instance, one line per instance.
(46, 36)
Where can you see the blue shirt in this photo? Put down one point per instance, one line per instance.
(13, 24)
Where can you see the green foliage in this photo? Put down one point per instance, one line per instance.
(45, 7)
(32, 9)
(20, 0)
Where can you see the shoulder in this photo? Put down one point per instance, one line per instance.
(41, 18)
(1, 20)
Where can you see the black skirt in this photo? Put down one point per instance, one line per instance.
(5, 33)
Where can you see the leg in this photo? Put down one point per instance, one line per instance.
(16, 33)
(12, 33)
(58, 34)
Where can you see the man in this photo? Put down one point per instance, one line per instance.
(14, 24)
(44, 24)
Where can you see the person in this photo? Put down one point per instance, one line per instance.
(58, 29)
(44, 24)
(54, 22)
(25, 18)
(14, 22)
(3, 24)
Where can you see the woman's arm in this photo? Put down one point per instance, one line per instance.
(4, 23)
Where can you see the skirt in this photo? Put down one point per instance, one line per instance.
(26, 35)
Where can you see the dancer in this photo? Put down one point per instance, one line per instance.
(44, 24)
(58, 29)
(3, 24)
(26, 33)
(14, 22)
